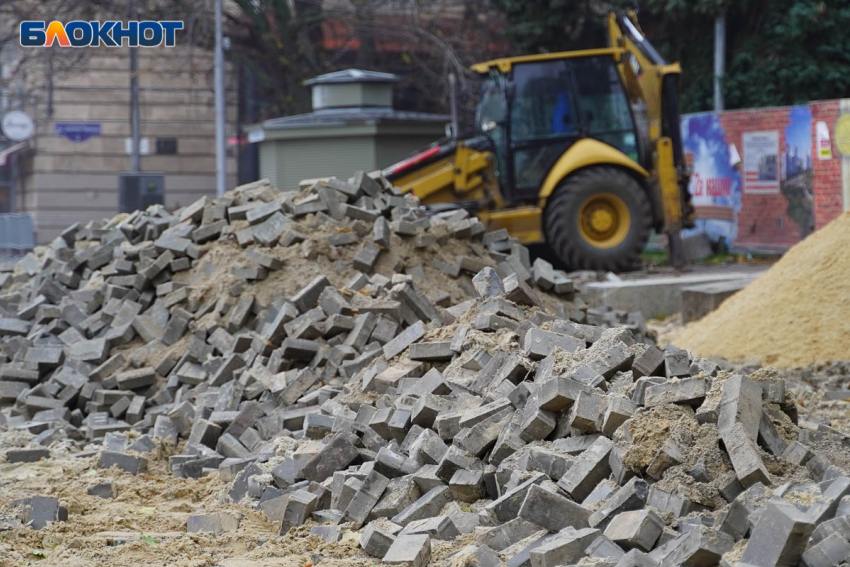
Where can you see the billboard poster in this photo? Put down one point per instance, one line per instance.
(715, 184)
(761, 162)
(797, 178)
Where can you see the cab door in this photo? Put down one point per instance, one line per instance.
(543, 123)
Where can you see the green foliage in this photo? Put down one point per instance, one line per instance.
(551, 25)
(280, 47)
(799, 50)
(779, 52)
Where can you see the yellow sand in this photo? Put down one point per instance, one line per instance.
(795, 314)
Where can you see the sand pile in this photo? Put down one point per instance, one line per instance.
(795, 314)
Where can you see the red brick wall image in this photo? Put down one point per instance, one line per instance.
(763, 220)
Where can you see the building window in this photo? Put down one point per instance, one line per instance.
(166, 146)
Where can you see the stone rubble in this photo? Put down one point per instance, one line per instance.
(553, 436)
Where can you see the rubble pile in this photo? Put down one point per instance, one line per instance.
(393, 409)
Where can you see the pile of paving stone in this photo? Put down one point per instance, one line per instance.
(369, 406)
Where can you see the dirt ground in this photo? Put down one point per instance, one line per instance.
(146, 523)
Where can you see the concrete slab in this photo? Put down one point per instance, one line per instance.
(700, 300)
(657, 296)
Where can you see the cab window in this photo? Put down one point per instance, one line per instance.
(542, 103)
(492, 105)
(603, 104)
(490, 117)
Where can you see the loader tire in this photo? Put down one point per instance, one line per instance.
(598, 219)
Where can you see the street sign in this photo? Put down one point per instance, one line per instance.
(77, 131)
(17, 125)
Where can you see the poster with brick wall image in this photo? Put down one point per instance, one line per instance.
(797, 179)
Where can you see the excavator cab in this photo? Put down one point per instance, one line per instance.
(539, 110)
(578, 149)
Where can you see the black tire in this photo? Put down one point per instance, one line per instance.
(561, 220)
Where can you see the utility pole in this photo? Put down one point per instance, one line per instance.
(719, 59)
(220, 116)
(135, 126)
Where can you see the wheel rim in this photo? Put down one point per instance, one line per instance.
(604, 220)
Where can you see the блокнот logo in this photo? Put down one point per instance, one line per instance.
(80, 33)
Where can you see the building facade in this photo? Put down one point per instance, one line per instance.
(69, 170)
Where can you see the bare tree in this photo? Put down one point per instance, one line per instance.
(432, 38)
(284, 42)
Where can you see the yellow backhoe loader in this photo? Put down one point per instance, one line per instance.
(581, 150)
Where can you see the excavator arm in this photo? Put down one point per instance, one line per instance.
(654, 82)
(456, 172)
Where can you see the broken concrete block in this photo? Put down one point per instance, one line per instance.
(769, 437)
(402, 341)
(128, 463)
(519, 292)
(586, 411)
(410, 551)
(677, 363)
(427, 506)
(670, 454)
(539, 344)
(217, 523)
(689, 391)
(559, 393)
(744, 455)
(605, 549)
(487, 283)
(617, 412)
(779, 537)
(106, 489)
(829, 552)
(376, 541)
(736, 519)
(631, 496)
(698, 547)
(366, 257)
(438, 527)
(563, 549)
(797, 453)
(337, 454)
(26, 455)
(299, 507)
(308, 296)
(366, 498)
(552, 511)
(468, 485)
(431, 352)
(648, 363)
(635, 529)
(740, 403)
(40, 510)
(507, 506)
